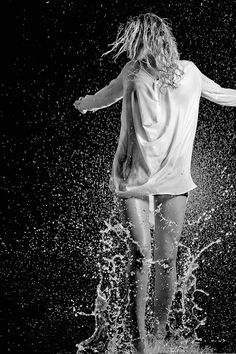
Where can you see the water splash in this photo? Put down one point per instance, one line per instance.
(112, 301)
(111, 306)
(186, 289)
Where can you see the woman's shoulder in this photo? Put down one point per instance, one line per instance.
(187, 62)
(189, 65)
(129, 70)
(129, 66)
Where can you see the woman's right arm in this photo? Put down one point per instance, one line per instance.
(103, 98)
(106, 96)
(216, 93)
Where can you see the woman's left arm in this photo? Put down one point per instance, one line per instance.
(216, 93)
(103, 98)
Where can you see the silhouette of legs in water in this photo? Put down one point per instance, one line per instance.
(169, 218)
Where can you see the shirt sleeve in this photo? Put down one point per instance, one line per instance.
(105, 97)
(216, 93)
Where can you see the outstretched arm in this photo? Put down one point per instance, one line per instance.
(216, 93)
(103, 98)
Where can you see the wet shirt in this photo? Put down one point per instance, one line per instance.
(157, 130)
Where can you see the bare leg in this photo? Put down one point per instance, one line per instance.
(169, 218)
(136, 211)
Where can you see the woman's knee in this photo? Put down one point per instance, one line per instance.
(141, 256)
(167, 264)
(165, 260)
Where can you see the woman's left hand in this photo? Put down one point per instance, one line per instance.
(77, 105)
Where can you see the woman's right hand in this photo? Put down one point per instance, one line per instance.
(77, 105)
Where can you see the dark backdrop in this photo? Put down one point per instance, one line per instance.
(55, 163)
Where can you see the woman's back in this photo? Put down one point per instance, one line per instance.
(164, 124)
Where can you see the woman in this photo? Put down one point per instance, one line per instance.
(161, 95)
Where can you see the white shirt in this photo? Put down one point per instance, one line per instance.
(157, 129)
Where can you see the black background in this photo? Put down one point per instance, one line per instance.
(55, 163)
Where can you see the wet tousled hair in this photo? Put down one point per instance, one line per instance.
(151, 37)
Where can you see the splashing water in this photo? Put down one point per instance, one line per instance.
(111, 306)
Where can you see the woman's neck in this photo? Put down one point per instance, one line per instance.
(152, 71)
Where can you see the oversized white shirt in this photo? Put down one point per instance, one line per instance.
(157, 129)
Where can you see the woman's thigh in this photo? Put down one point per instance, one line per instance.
(169, 220)
(135, 213)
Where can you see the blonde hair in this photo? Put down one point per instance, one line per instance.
(149, 42)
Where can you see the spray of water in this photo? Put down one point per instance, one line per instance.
(111, 335)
